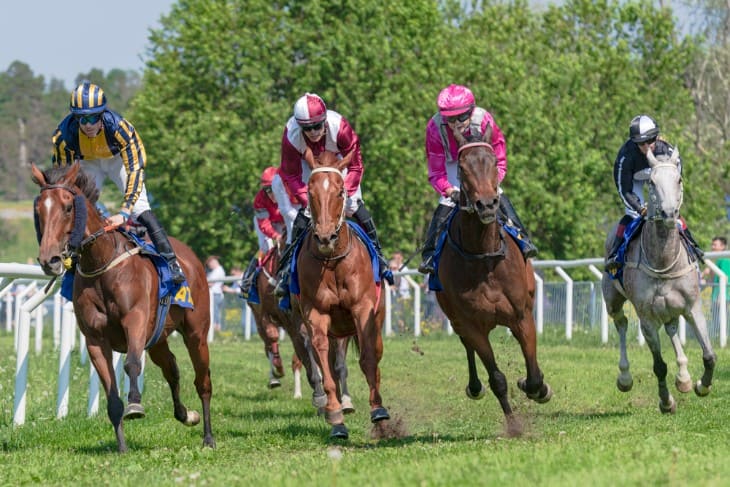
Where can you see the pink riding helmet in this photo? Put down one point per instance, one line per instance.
(455, 100)
(310, 109)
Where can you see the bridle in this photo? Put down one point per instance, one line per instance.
(343, 193)
(76, 244)
(654, 214)
(468, 206)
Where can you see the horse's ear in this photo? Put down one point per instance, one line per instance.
(70, 176)
(459, 137)
(487, 137)
(345, 161)
(651, 158)
(309, 158)
(37, 175)
(675, 157)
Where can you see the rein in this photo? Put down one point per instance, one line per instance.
(341, 220)
(469, 207)
(486, 255)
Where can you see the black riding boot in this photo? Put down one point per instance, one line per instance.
(162, 244)
(612, 265)
(693, 245)
(505, 205)
(301, 222)
(438, 220)
(362, 215)
(247, 278)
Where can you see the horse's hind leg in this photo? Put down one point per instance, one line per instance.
(474, 389)
(699, 324)
(497, 380)
(666, 401)
(133, 368)
(340, 368)
(101, 358)
(682, 381)
(624, 381)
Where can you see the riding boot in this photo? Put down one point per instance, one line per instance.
(438, 220)
(692, 244)
(612, 265)
(162, 244)
(362, 215)
(301, 222)
(247, 278)
(508, 211)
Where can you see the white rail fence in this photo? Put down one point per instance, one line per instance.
(27, 295)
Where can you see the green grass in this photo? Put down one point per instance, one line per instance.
(589, 433)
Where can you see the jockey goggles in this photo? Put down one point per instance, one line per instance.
(314, 126)
(648, 142)
(461, 118)
(89, 119)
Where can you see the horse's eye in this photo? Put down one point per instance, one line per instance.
(68, 209)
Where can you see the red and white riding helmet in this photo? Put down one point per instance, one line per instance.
(268, 176)
(310, 109)
(455, 100)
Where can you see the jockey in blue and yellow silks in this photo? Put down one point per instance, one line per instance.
(108, 146)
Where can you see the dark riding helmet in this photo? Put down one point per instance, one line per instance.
(643, 128)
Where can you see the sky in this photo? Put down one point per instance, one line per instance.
(62, 38)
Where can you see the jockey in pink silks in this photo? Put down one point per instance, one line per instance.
(315, 127)
(458, 111)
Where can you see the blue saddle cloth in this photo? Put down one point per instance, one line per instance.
(253, 292)
(168, 291)
(631, 230)
(434, 283)
(284, 303)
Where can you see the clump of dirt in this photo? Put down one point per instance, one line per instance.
(390, 429)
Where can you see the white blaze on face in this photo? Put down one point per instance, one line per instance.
(326, 184)
(47, 203)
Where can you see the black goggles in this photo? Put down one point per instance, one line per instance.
(314, 126)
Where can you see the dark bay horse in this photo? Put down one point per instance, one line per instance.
(339, 297)
(486, 281)
(662, 283)
(115, 297)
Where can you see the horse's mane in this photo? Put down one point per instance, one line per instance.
(85, 183)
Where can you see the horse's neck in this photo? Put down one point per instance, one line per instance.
(473, 236)
(103, 248)
(660, 244)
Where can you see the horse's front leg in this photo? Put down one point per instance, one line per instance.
(624, 381)
(101, 358)
(534, 386)
(666, 401)
(682, 381)
(697, 320)
(474, 389)
(370, 340)
(319, 325)
(133, 368)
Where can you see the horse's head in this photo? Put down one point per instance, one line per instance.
(60, 213)
(327, 198)
(665, 188)
(478, 175)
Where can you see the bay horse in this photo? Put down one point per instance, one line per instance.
(486, 281)
(270, 317)
(662, 283)
(339, 296)
(115, 297)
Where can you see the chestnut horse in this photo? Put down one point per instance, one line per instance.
(115, 297)
(486, 281)
(270, 317)
(339, 296)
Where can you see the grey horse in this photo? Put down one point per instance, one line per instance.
(662, 283)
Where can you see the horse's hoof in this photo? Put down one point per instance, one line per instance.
(339, 431)
(379, 414)
(477, 396)
(624, 386)
(278, 371)
(192, 418)
(683, 386)
(702, 390)
(134, 411)
(670, 408)
(545, 397)
(319, 401)
(274, 383)
(347, 406)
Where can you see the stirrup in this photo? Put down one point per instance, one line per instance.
(176, 272)
(426, 266)
(282, 286)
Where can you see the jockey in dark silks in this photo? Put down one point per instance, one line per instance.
(630, 172)
(108, 147)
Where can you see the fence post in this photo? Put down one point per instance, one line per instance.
(388, 311)
(540, 296)
(568, 302)
(604, 311)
